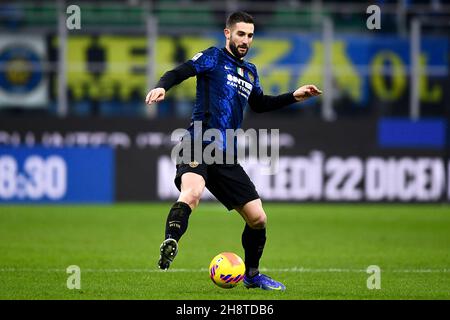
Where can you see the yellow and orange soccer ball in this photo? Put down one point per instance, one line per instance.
(226, 270)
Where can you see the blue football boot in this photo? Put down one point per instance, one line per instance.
(264, 282)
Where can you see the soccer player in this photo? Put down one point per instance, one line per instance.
(225, 84)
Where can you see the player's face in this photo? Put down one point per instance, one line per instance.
(240, 38)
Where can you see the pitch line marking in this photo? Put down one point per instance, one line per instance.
(175, 270)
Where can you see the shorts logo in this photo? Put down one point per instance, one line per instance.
(193, 164)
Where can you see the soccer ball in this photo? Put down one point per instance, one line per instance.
(226, 270)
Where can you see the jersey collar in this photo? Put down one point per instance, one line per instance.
(228, 53)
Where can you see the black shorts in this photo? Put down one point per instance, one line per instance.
(229, 183)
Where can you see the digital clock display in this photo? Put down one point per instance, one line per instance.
(56, 174)
(37, 178)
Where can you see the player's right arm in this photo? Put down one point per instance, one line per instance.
(155, 95)
(168, 80)
(202, 62)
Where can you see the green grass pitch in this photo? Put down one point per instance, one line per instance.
(319, 251)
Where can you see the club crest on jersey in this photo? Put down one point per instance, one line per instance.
(251, 77)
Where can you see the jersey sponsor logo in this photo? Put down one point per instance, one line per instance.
(244, 87)
(198, 55)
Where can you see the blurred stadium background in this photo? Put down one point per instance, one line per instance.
(379, 132)
(74, 129)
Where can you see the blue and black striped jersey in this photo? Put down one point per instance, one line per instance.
(224, 85)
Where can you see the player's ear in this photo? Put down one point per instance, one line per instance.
(227, 32)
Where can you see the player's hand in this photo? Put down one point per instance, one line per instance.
(155, 95)
(305, 92)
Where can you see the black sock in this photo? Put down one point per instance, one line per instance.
(177, 220)
(253, 241)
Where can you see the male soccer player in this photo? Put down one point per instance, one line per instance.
(225, 84)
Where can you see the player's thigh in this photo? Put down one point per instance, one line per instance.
(191, 179)
(192, 186)
(253, 214)
(192, 183)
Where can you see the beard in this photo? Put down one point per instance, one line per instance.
(235, 49)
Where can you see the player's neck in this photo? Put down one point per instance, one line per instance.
(228, 52)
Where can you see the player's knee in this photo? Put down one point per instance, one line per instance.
(191, 196)
(258, 222)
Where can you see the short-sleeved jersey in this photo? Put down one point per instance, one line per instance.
(224, 84)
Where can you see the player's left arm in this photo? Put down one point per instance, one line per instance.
(260, 102)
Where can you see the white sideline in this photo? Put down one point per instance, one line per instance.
(294, 269)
